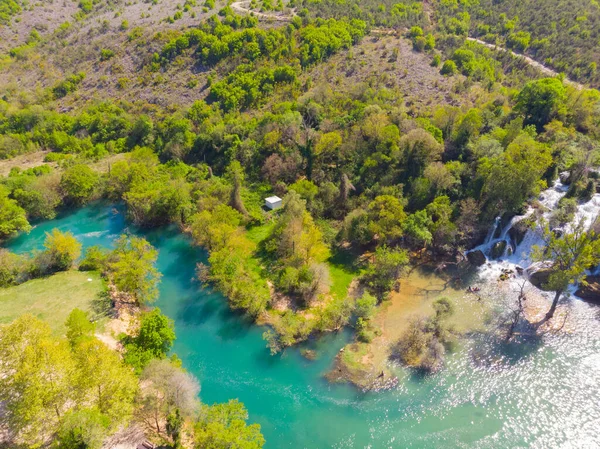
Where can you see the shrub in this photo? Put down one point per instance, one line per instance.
(106, 54)
(449, 68)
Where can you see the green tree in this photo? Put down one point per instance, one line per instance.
(104, 381)
(449, 68)
(571, 255)
(541, 101)
(386, 217)
(383, 272)
(82, 429)
(78, 184)
(38, 374)
(131, 268)
(12, 217)
(79, 327)
(62, 249)
(153, 340)
(223, 426)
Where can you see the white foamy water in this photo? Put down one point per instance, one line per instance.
(521, 255)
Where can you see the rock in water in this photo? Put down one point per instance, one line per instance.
(591, 291)
(498, 249)
(476, 257)
(517, 232)
(539, 273)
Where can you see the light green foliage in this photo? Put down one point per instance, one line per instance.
(131, 268)
(223, 426)
(86, 428)
(11, 268)
(514, 175)
(12, 217)
(571, 254)
(417, 228)
(78, 184)
(153, 340)
(62, 250)
(103, 380)
(79, 327)
(449, 68)
(45, 380)
(386, 217)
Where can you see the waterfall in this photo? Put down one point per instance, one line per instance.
(518, 255)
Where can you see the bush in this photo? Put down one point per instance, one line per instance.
(63, 249)
(449, 68)
(78, 184)
(106, 54)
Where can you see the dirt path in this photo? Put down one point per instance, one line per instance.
(281, 17)
(532, 62)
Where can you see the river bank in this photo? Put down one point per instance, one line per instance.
(487, 395)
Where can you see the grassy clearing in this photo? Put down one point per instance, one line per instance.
(343, 269)
(52, 298)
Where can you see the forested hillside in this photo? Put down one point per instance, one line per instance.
(564, 34)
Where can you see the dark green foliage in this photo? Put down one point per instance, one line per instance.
(68, 85)
(383, 271)
(541, 101)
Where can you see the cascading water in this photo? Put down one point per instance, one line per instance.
(518, 255)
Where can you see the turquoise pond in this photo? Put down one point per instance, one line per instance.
(543, 394)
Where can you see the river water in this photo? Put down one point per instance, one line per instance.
(542, 394)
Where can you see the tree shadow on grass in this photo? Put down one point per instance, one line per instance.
(102, 305)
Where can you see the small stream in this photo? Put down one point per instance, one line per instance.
(543, 395)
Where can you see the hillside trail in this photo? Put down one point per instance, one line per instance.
(532, 62)
(242, 6)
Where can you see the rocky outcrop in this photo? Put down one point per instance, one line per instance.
(476, 258)
(565, 177)
(591, 291)
(517, 232)
(498, 249)
(596, 226)
(538, 274)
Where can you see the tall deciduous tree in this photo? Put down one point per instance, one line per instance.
(12, 218)
(540, 101)
(223, 426)
(62, 248)
(37, 376)
(571, 254)
(131, 268)
(169, 391)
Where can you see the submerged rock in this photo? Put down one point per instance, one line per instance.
(591, 291)
(476, 257)
(498, 249)
(539, 273)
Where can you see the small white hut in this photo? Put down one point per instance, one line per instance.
(273, 202)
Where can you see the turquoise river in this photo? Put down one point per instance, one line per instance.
(543, 394)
